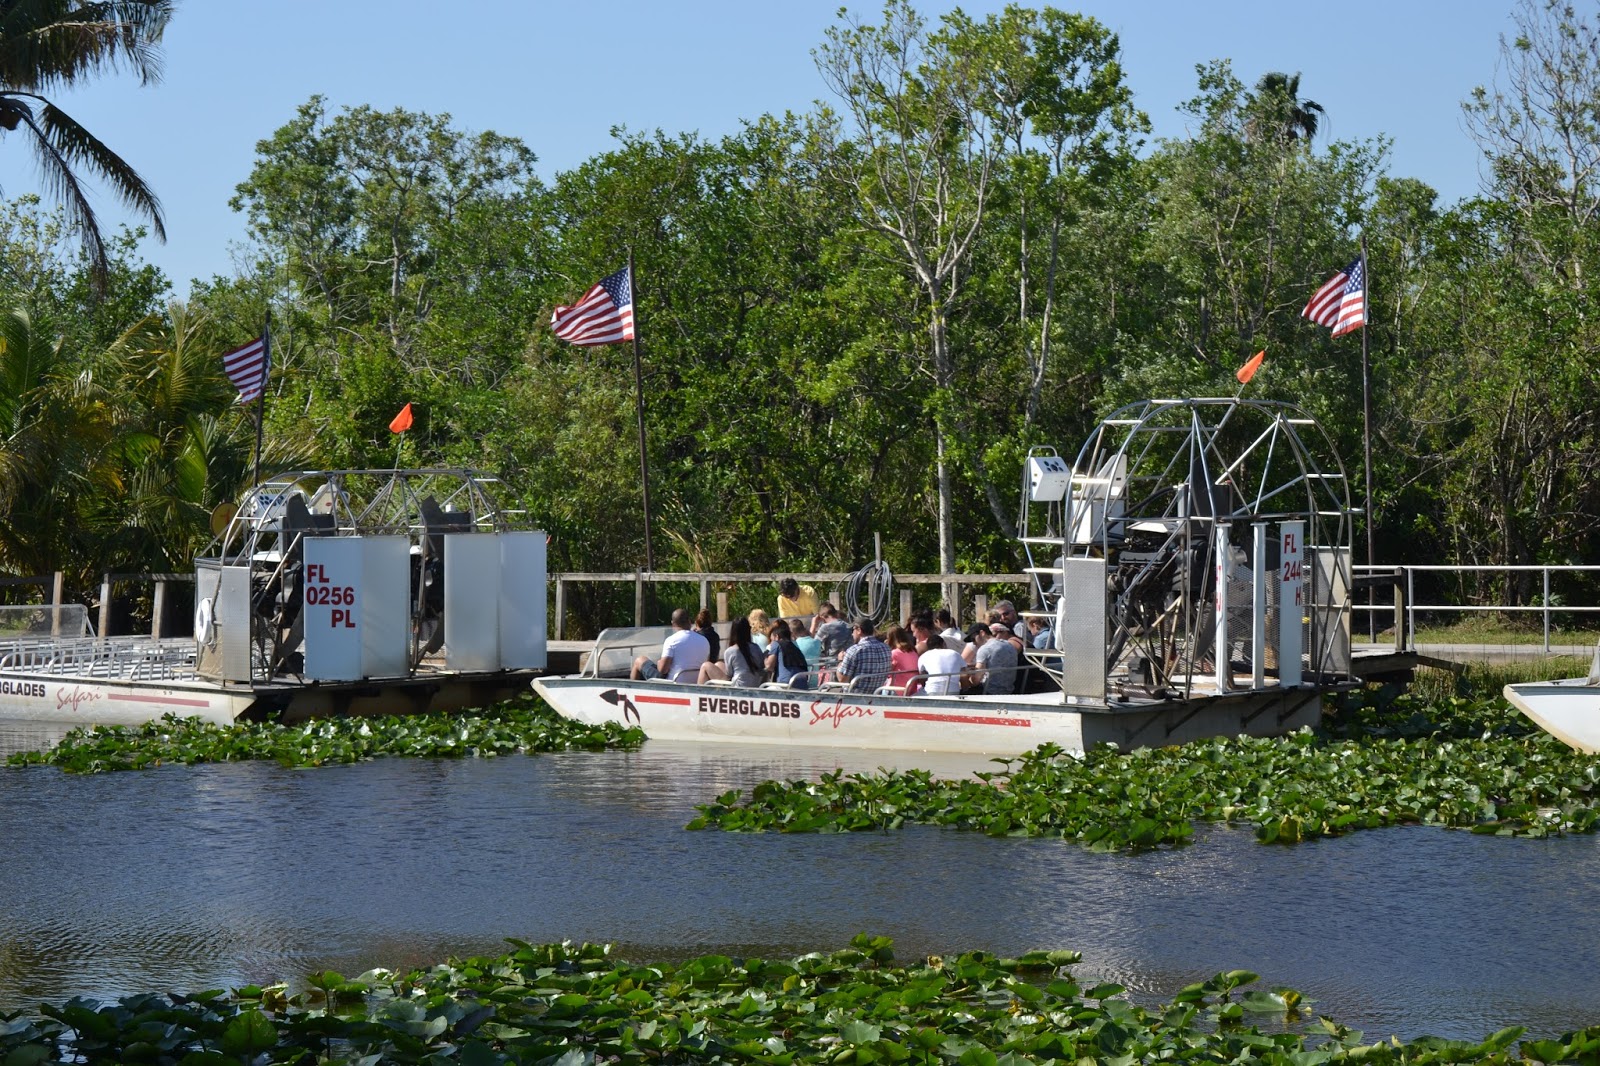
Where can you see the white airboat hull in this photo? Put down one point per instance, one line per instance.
(983, 725)
(92, 701)
(1568, 710)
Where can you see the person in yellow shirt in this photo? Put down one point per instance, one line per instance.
(795, 599)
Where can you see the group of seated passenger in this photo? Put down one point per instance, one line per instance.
(930, 655)
(758, 649)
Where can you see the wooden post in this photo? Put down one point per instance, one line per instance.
(980, 608)
(905, 607)
(722, 606)
(705, 594)
(158, 608)
(638, 598)
(561, 607)
(1402, 639)
(55, 603)
(105, 605)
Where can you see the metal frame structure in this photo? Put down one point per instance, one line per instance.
(1172, 501)
(267, 531)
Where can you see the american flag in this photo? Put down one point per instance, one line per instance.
(1342, 302)
(247, 367)
(603, 316)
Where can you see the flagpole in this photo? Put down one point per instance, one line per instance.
(261, 400)
(638, 390)
(1366, 418)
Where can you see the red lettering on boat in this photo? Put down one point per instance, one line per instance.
(75, 698)
(834, 713)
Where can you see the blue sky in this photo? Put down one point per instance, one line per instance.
(560, 76)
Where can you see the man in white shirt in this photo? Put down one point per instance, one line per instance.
(681, 653)
(942, 668)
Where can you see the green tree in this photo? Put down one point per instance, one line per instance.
(373, 214)
(1510, 350)
(1243, 230)
(179, 446)
(1063, 117)
(1280, 110)
(47, 45)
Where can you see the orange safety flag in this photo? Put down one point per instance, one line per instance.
(1244, 373)
(402, 421)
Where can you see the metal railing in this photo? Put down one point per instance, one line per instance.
(1396, 611)
(133, 658)
(1407, 606)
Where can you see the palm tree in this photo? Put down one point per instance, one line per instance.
(47, 45)
(1290, 117)
(54, 428)
(176, 459)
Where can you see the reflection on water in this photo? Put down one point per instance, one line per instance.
(29, 736)
(184, 878)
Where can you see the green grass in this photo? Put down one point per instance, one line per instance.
(1485, 680)
(1489, 628)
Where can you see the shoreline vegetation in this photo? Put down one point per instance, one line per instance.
(576, 1005)
(918, 274)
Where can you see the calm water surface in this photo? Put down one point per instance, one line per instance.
(184, 878)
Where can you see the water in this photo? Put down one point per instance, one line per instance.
(184, 878)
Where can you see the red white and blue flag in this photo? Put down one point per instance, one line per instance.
(247, 367)
(603, 316)
(1341, 303)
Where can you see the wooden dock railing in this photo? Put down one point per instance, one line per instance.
(829, 586)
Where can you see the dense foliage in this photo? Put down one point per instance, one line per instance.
(568, 1005)
(520, 726)
(855, 318)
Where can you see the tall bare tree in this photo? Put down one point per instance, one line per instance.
(920, 173)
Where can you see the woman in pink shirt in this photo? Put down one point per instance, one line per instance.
(902, 656)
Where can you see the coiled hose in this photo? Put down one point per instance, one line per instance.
(879, 585)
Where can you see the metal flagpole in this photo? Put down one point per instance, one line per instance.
(1366, 420)
(261, 399)
(638, 387)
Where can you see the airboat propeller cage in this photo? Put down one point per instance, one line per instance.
(348, 575)
(1194, 547)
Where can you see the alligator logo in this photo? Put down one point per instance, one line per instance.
(618, 699)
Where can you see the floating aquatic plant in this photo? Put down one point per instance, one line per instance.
(576, 1005)
(523, 725)
(1291, 789)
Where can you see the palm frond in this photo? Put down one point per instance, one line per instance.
(77, 145)
(51, 43)
(55, 171)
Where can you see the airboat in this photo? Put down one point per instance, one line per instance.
(1567, 709)
(1193, 558)
(324, 592)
